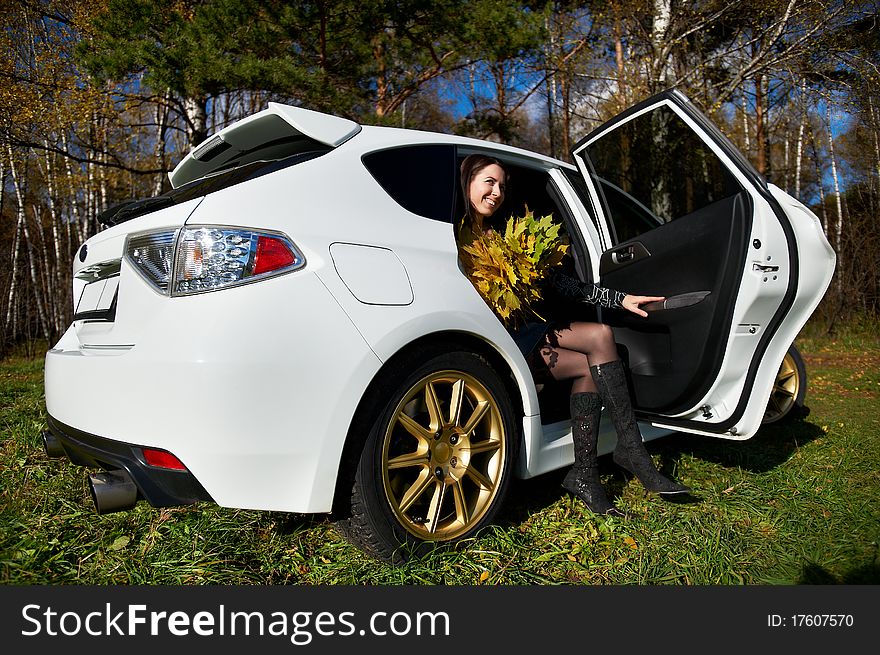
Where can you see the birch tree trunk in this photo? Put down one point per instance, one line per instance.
(91, 202)
(839, 231)
(804, 116)
(196, 119)
(10, 324)
(817, 164)
(161, 142)
(799, 153)
(45, 273)
(10, 318)
(78, 222)
(662, 65)
(565, 89)
(785, 164)
(58, 264)
(104, 157)
(22, 217)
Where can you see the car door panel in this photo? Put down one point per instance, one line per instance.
(673, 354)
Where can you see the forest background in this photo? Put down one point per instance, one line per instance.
(99, 100)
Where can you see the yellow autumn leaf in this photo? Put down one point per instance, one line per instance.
(506, 268)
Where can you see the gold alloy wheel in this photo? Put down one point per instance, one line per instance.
(443, 456)
(785, 390)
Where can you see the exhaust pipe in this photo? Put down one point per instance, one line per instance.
(52, 445)
(112, 491)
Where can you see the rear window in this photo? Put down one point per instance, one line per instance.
(420, 178)
(302, 149)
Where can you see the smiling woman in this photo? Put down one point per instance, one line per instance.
(564, 349)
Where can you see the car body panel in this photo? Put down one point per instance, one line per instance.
(223, 400)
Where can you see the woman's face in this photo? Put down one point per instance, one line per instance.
(486, 191)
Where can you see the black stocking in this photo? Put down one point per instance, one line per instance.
(568, 352)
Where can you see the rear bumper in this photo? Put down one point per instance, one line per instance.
(159, 487)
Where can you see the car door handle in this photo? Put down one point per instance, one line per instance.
(677, 301)
(622, 256)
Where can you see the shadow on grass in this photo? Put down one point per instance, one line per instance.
(771, 446)
(868, 574)
(527, 497)
(291, 523)
(813, 574)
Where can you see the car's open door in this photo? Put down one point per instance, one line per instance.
(687, 217)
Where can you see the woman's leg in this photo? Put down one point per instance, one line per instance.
(582, 479)
(630, 452)
(566, 354)
(587, 354)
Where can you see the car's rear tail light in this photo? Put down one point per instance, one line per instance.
(162, 459)
(152, 255)
(207, 258)
(272, 254)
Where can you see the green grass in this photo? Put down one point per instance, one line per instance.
(795, 504)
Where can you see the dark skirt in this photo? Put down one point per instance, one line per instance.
(529, 336)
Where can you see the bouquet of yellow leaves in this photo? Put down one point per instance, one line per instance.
(506, 268)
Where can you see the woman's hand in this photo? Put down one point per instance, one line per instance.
(631, 303)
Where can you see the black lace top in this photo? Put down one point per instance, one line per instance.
(572, 287)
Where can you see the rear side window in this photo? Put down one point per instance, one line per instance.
(420, 178)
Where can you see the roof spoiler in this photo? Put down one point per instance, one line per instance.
(278, 123)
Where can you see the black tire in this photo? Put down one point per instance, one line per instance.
(430, 474)
(787, 398)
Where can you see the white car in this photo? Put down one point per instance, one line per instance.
(289, 328)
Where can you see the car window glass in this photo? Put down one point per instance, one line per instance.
(580, 188)
(420, 178)
(654, 169)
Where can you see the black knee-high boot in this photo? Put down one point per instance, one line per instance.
(630, 452)
(583, 478)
